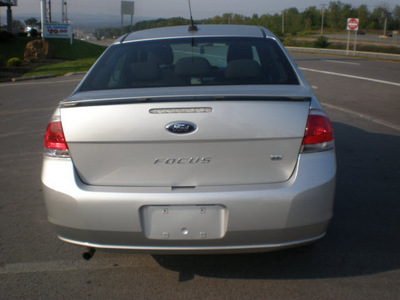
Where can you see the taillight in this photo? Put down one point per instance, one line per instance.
(319, 133)
(54, 139)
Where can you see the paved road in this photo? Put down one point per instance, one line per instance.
(358, 259)
(364, 86)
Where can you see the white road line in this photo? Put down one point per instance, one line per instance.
(351, 76)
(363, 116)
(341, 62)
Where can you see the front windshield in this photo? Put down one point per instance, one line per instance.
(191, 62)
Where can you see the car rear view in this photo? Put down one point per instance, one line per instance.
(191, 141)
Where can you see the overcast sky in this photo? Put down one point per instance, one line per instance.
(176, 8)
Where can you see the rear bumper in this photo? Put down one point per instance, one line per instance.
(259, 217)
(135, 242)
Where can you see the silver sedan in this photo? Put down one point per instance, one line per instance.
(191, 140)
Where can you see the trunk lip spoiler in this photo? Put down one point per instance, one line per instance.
(180, 98)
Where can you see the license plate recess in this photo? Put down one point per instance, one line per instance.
(184, 222)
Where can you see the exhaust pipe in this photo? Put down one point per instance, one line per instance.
(88, 254)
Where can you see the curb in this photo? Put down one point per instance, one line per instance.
(75, 73)
(45, 76)
(343, 53)
(32, 78)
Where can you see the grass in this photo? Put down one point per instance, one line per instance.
(79, 65)
(79, 56)
(78, 50)
(63, 49)
(341, 45)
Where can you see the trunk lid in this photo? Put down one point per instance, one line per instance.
(246, 141)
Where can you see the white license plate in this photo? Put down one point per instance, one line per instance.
(184, 222)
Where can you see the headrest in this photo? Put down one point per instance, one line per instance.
(192, 66)
(161, 54)
(239, 51)
(242, 68)
(145, 71)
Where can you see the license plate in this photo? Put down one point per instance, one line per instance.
(184, 222)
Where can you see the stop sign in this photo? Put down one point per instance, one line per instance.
(352, 24)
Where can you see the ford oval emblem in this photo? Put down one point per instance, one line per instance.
(181, 127)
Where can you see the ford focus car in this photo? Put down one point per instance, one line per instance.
(191, 140)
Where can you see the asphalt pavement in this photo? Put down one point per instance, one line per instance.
(367, 87)
(358, 259)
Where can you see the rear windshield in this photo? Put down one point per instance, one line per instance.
(191, 62)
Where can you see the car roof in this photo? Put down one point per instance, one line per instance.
(202, 31)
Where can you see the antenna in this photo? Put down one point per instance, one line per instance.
(192, 27)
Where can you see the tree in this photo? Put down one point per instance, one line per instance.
(311, 18)
(333, 14)
(237, 19)
(377, 19)
(347, 12)
(293, 21)
(335, 17)
(396, 13)
(32, 22)
(17, 25)
(396, 17)
(363, 16)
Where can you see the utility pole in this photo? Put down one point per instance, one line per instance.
(322, 17)
(64, 10)
(49, 5)
(9, 19)
(385, 27)
(386, 15)
(43, 16)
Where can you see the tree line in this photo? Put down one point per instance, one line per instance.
(334, 18)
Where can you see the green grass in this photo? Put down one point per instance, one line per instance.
(341, 45)
(63, 49)
(79, 65)
(78, 50)
(80, 55)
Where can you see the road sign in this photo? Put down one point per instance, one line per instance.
(127, 7)
(57, 31)
(386, 15)
(352, 24)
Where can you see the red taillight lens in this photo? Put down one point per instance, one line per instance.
(54, 140)
(319, 130)
(54, 137)
(319, 134)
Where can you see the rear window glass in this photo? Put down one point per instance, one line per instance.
(190, 62)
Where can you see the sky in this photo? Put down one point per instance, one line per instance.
(146, 9)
